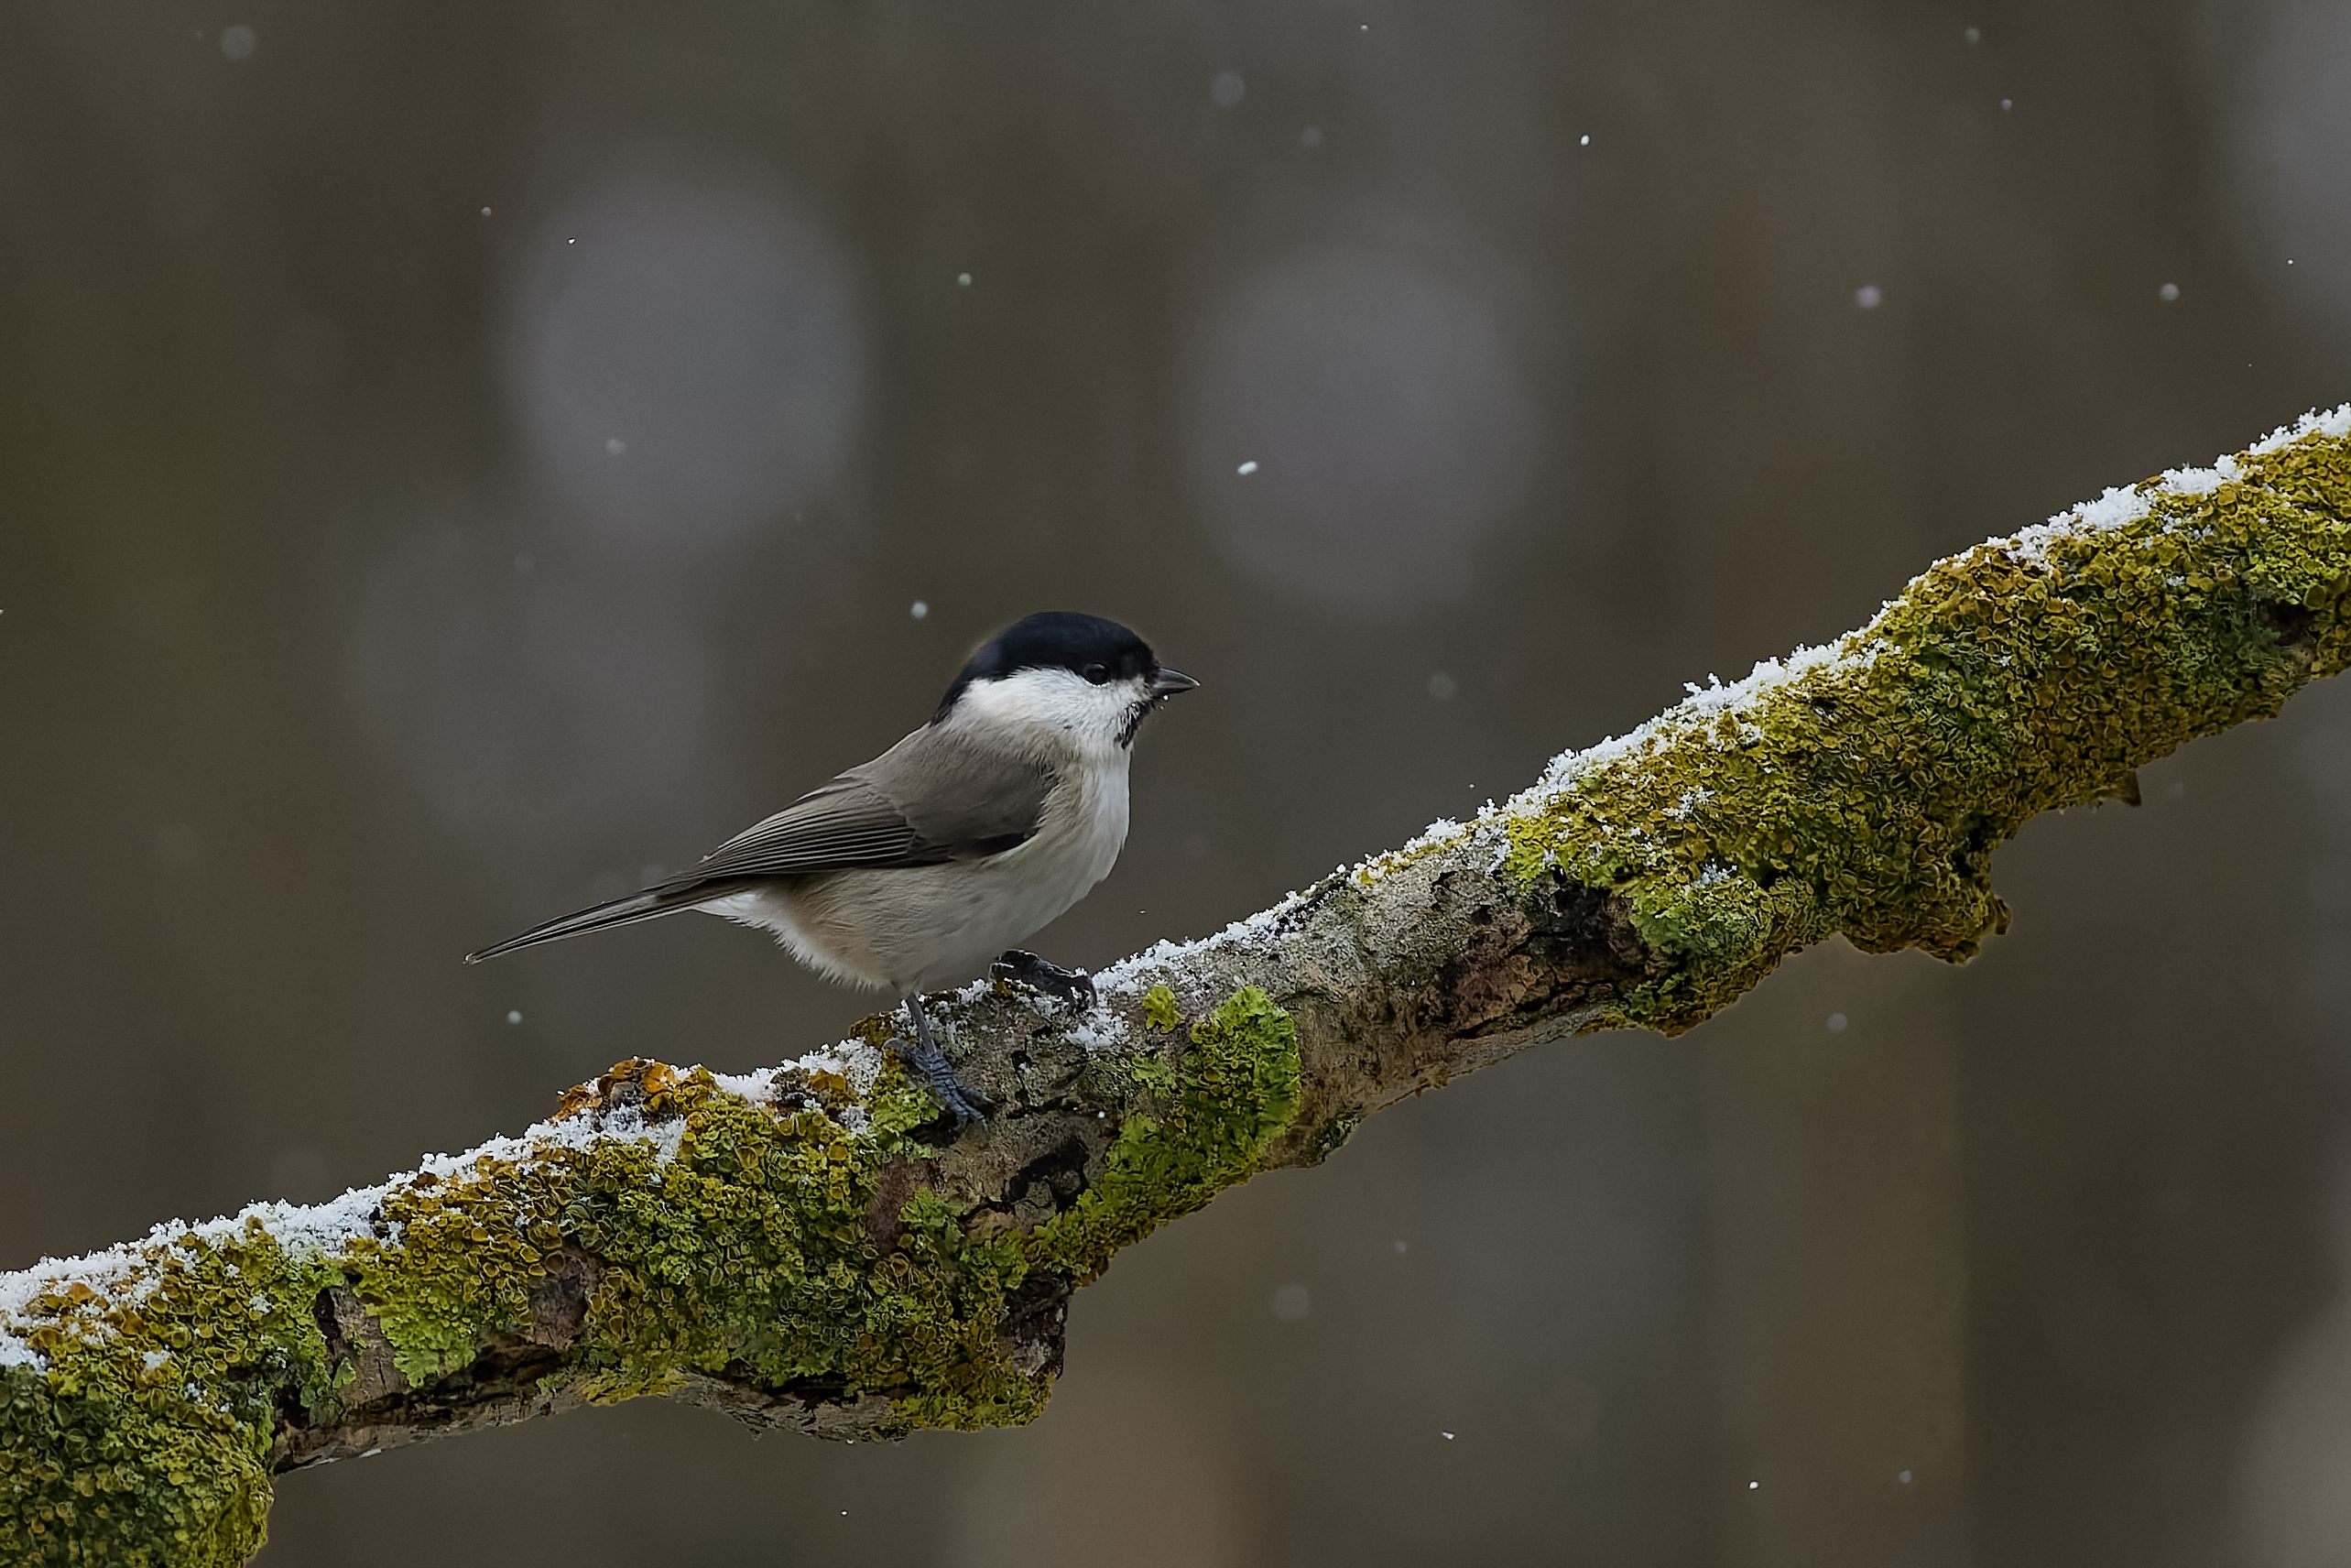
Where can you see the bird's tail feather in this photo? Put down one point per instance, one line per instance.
(650, 904)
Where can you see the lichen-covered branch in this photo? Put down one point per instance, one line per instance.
(801, 1248)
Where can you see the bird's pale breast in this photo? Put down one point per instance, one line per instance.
(925, 927)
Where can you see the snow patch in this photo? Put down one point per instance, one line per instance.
(850, 1059)
(2125, 505)
(1100, 1030)
(2334, 423)
(755, 1086)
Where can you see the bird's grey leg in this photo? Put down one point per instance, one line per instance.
(1072, 986)
(922, 1055)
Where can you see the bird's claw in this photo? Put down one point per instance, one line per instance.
(924, 1059)
(1074, 987)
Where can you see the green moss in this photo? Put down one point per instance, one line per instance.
(1865, 797)
(1235, 1091)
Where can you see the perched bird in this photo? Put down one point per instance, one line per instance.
(915, 870)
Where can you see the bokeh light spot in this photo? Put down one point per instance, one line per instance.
(714, 319)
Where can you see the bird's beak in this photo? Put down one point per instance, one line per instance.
(1168, 683)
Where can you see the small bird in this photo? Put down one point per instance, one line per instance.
(914, 870)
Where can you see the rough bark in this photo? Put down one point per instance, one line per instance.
(803, 1247)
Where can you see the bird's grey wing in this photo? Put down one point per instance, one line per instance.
(961, 800)
(926, 800)
(846, 823)
(922, 802)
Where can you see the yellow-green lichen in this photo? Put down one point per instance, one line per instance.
(147, 1440)
(1864, 795)
(1160, 1009)
(1235, 1091)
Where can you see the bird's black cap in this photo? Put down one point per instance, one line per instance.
(1056, 639)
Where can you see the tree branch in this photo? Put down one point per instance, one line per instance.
(796, 1247)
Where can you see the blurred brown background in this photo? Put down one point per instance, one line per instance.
(454, 457)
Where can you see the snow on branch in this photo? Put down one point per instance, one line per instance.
(803, 1247)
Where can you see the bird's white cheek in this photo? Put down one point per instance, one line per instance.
(1054, 703)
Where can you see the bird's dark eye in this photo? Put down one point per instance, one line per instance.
(1097, 673)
